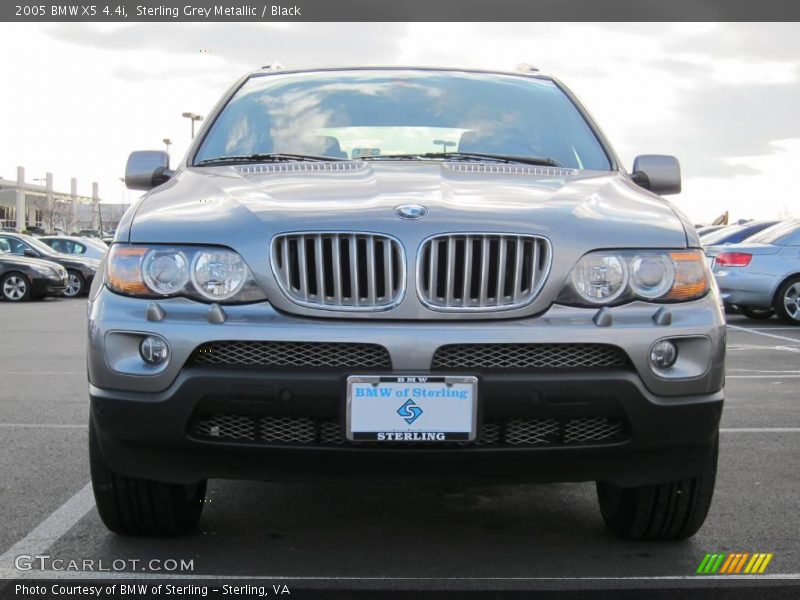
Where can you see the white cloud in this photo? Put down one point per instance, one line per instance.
(772, 195)
(78, 98)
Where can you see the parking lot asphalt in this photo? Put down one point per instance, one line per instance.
(542, 535)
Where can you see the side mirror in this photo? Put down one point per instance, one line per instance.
(147, 169)
(659, 173)
(29, 252)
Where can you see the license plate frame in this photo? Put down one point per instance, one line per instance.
(432, 407)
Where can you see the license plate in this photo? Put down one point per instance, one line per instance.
(411, 408)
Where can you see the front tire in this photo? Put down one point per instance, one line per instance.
(140, 507)
(663, 512)
(15, 287)
(75, 284)
(787, 301)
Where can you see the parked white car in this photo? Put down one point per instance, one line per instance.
(67, 244)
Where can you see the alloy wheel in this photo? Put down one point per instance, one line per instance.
(791, 301)
(74, 285)
(14, 287)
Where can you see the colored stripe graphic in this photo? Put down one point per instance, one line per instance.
(726, 566)
(755, 562)
(711, 563)
(703, 563)
(764, 564)
(741, 562)
(732, 563)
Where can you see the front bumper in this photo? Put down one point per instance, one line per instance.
(144, 416)
(48, 286)
(116, 323)
(151, 436)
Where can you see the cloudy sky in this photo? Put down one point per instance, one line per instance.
(722, 97)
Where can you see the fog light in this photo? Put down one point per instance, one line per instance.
(154, 350)
(663, 354)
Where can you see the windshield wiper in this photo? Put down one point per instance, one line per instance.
(263, 157)
(503, 158)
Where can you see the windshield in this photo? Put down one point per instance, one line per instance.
(363, 114)
(774, 234)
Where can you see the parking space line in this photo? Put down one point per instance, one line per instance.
(764, 371)
(42, 426)
(784, 347)
(759, 429)
(42, 372)
(774, 376)
(49, 531)
(772, 335)
(750, 347)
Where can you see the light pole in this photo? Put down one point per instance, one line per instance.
(126, 193)
(445, 144)
(192, 117)
(168, 142)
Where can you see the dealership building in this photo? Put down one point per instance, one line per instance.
(26, 205)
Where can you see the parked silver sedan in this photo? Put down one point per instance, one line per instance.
(762, 274)
(68, 244)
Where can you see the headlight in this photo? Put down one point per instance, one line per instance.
(46, 271)
(615, 277)
(165, 272)
(207, 274)
(600, 278)
(218, 274)
(652, 275)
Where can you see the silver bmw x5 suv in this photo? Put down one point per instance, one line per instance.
(404, 274)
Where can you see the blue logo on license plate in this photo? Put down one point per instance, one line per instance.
(409, 411)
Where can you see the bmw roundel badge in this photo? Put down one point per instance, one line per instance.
(411, 211)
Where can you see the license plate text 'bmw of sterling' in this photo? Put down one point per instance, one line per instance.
(411, 408)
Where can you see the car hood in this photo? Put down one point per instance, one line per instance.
(27, 260)
(243, 208)
(70, 260)
(226, 204)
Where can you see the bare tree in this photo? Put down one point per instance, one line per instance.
(111, 214)
(55, 215)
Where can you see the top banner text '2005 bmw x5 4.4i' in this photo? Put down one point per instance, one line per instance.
(404, 274)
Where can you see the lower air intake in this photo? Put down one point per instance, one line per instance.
(304, 431)
(315, 355)
(528, 356)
